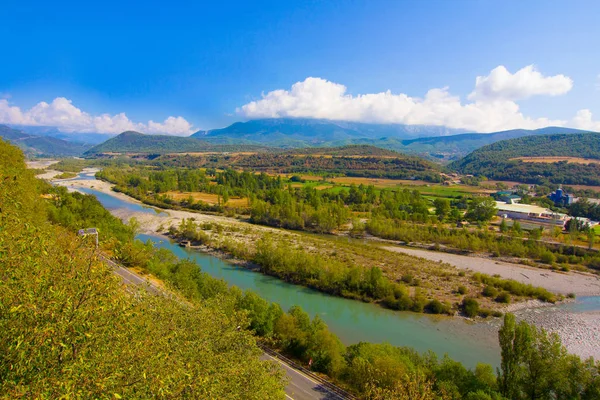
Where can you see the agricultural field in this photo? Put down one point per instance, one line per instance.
(573, 160)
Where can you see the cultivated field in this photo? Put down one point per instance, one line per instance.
(573, 160)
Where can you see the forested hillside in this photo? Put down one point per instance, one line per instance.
(455, 146)
(501, 160)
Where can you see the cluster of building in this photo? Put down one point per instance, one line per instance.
(561, 198)
(509, 207)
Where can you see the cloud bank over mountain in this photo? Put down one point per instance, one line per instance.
(492, 106)
(62, 114)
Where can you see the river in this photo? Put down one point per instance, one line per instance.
(353, 321)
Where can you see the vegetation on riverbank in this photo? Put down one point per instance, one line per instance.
(358, 270)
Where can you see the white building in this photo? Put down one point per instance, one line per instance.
(530, 212)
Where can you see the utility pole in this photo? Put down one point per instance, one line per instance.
(89, 231)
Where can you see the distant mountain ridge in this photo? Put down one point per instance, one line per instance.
(42, 146)
(90, 138)
(303, 132)
(433, 142)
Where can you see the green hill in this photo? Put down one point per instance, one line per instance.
(135, 142)
(42, 146)
(501, 160)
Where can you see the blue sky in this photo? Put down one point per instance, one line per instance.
(205, 61)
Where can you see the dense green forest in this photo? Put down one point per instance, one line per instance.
(64, 319)
(496, 161)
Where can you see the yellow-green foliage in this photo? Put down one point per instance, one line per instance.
(68, 329)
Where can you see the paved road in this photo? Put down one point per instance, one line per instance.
(300, 386)
(131, 278)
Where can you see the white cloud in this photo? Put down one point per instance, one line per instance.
(492, 104)
(64, 115)
(583, 120)
(526, 82)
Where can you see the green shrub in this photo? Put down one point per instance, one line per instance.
(462, 290)
(489, 291)
(503, 297)
(470, 307)
(547, 257)
(435, 307)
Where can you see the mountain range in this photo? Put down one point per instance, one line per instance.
(42, 146)
(432, 142)
(52, 131)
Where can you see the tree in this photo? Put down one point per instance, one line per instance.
(503, 226)
(535, 365)
(591, 236)
(481, 209)
(442, 207)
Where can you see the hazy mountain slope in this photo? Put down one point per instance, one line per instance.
(52, 131)
(302, 132)
(500, 160)
(429, 141)
(46, 146)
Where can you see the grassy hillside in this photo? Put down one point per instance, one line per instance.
(501, 160)
(42, 146)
